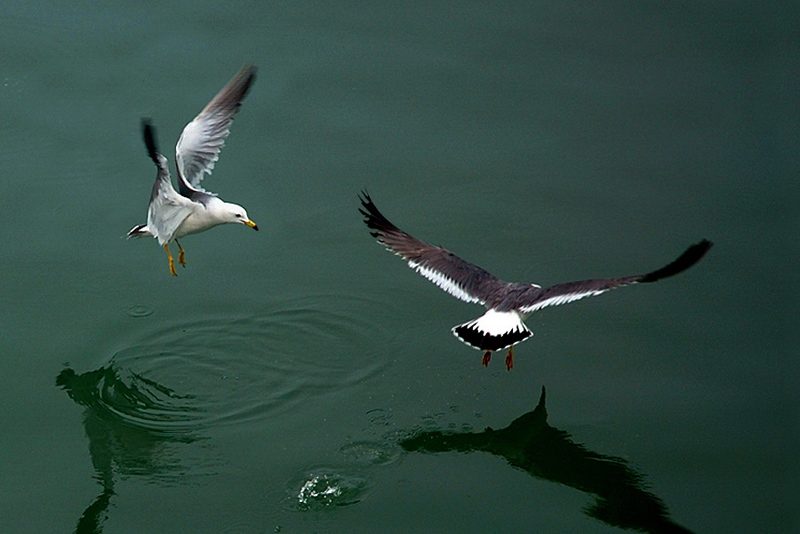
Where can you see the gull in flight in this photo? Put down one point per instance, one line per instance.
(192, 209)
(508, 304)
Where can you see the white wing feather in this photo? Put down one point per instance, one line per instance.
(167, 208)
(445, 283)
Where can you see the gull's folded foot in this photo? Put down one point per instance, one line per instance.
(171, 261)
(510, 358)
(487, 357)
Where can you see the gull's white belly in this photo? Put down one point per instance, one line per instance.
(199, 220)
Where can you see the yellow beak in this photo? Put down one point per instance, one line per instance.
(251, 224)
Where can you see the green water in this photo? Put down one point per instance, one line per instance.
(301, 379)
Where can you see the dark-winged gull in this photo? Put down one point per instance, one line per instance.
(508, 304)
(192, 209)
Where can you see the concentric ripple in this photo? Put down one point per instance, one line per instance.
(130, 398)
(230, 369)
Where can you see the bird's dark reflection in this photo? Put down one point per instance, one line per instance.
(130, 423)
(548, 453)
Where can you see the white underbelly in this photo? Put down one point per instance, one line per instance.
(197, 221)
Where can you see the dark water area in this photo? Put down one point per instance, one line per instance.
(302, 379)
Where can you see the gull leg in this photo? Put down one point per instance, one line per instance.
(171, 262)
(181, 256)
(487, 357)
(510, 358)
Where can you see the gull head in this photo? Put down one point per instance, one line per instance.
(237, 214)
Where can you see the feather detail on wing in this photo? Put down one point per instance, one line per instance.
(202, 139)
(167, 208)
(572, 291)
(454, 275)
(447, 284)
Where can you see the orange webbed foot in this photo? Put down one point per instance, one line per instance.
(181, 255)
(171, 261)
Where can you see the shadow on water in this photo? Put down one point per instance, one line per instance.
(548, 453)
(245, 368)
(239, 372)
(133, 425)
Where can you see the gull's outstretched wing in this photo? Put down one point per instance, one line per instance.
(202, 139)
(571, 291)
(167, 208)
(458, 277)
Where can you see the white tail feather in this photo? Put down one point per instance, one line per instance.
(493, 330)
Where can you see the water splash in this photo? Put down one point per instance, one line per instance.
(329, 488)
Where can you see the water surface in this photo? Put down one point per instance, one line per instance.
(301, 379)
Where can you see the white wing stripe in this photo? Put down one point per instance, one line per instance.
(444, 282)
(557, 300)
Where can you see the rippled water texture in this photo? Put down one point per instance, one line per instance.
(229, 370)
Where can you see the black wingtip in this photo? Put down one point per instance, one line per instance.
(373, 218)
(149, 133)
(690, 256)
(365, 199)
(366, 205)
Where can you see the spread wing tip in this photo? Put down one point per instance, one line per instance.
(688, 259)
(229, 99)
(374, 219)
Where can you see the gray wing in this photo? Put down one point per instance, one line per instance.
(167, 208)
(572, 291)
(458, 277)
(202, 139)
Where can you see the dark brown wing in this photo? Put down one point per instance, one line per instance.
(571, 291)
(458, 277)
